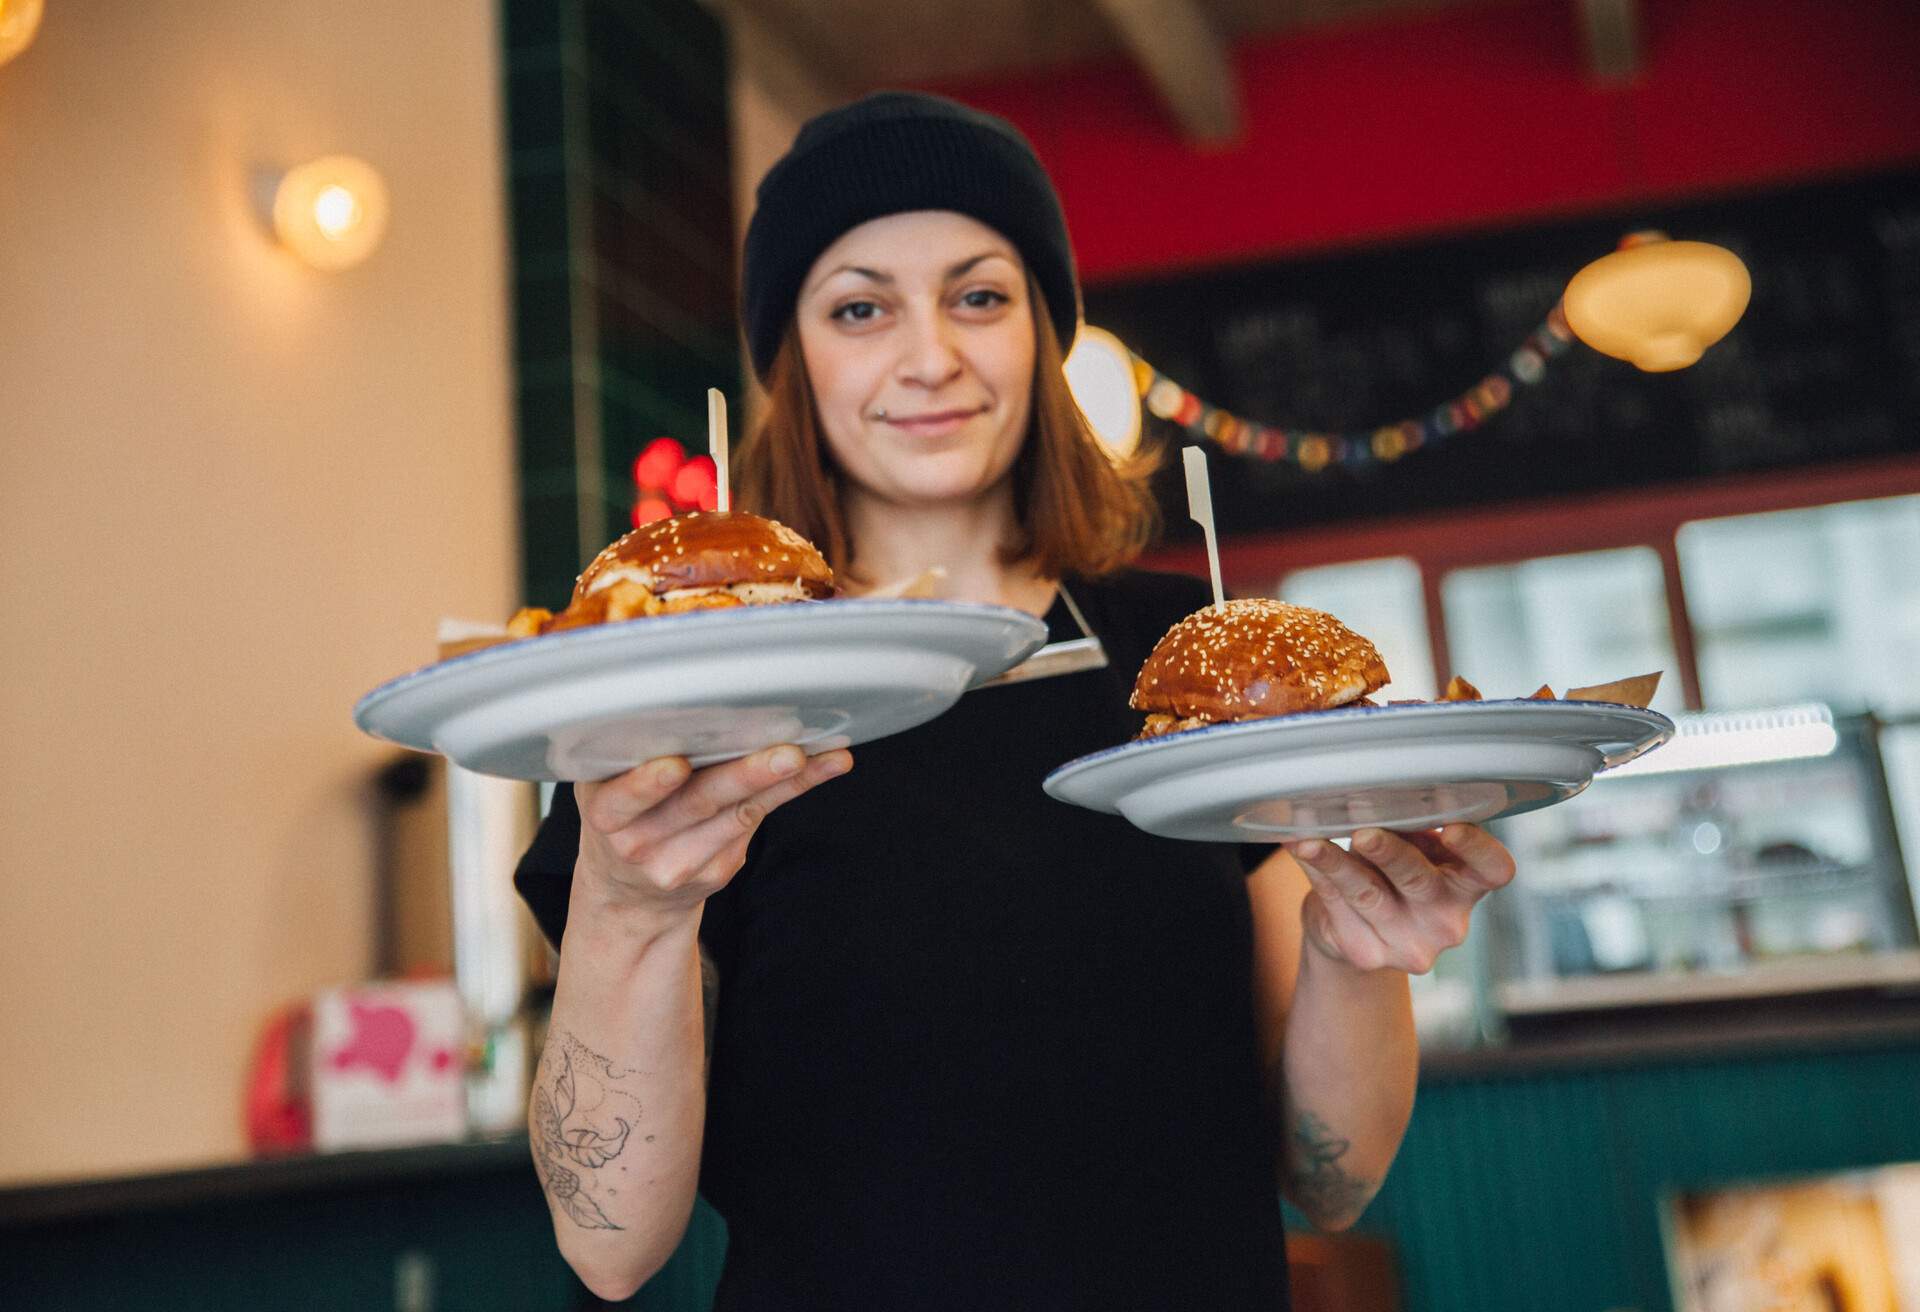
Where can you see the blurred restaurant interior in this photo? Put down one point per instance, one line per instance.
(1675, 1065)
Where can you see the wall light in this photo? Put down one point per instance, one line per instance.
(331, 211)
(1101, 377)
(19, 20)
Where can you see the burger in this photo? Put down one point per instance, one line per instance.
(707, 560)
(1249, 659)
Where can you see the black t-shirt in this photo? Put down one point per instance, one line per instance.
(976, 1048)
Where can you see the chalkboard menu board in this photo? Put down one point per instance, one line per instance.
(1824, 367)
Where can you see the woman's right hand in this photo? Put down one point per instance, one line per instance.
(663, 837)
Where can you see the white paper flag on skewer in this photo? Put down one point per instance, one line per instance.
(717, 444)
(1200, 506)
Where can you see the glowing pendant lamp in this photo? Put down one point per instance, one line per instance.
(1658, 303)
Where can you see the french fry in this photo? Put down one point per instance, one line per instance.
(527, 620)
(1637, 691)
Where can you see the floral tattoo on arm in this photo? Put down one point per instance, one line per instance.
(1320, 1186)
(579, 1120)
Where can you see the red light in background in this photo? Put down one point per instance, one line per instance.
(654, 469)
(696, 484)
(648, 509)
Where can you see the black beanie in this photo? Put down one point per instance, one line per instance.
(889, 153)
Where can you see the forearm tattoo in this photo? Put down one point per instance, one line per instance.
(1319, 1185)
(580, 1119)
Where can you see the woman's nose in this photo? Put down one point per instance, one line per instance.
(929, 358)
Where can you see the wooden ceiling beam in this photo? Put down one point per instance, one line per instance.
(1185, 59)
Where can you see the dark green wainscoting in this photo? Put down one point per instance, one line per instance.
(460, 1228)
(348, 1231)
(1515, 1192)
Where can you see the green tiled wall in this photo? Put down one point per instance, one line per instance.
(621, 213)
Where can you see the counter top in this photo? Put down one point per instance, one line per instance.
(33, 1204)
(1706, 1031)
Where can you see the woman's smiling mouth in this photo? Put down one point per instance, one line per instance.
(934, 423)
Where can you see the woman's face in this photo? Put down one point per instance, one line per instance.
(917, 333)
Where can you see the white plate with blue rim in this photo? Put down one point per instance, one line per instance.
(1326, 774)
(712, 685)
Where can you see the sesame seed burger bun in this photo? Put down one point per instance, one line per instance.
(1251, 658)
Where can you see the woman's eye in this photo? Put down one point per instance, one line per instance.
(984, 298)
(856, 312)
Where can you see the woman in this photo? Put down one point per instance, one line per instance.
(971, 1048)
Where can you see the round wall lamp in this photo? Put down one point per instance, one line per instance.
(331, 212)
(1101, 377)
(19, 21)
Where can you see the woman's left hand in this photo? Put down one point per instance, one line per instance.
(1397, 901)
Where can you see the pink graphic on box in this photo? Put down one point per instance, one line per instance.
(381, 1042)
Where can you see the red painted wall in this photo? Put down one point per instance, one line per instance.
(1469, 117)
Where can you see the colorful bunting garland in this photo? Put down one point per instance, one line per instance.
(1315, 451)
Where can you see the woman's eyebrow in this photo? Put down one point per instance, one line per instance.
(873, 275)
(959, 270)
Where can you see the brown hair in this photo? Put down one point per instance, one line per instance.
(1077, 510)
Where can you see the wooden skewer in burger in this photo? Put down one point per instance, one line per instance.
(1255, 658)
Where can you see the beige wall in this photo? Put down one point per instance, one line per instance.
(235, 493)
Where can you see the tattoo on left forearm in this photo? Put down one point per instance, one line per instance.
(1319, 1185)
(559, 1145)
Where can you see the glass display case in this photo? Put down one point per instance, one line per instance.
(1760, 855)
(1756, 854)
